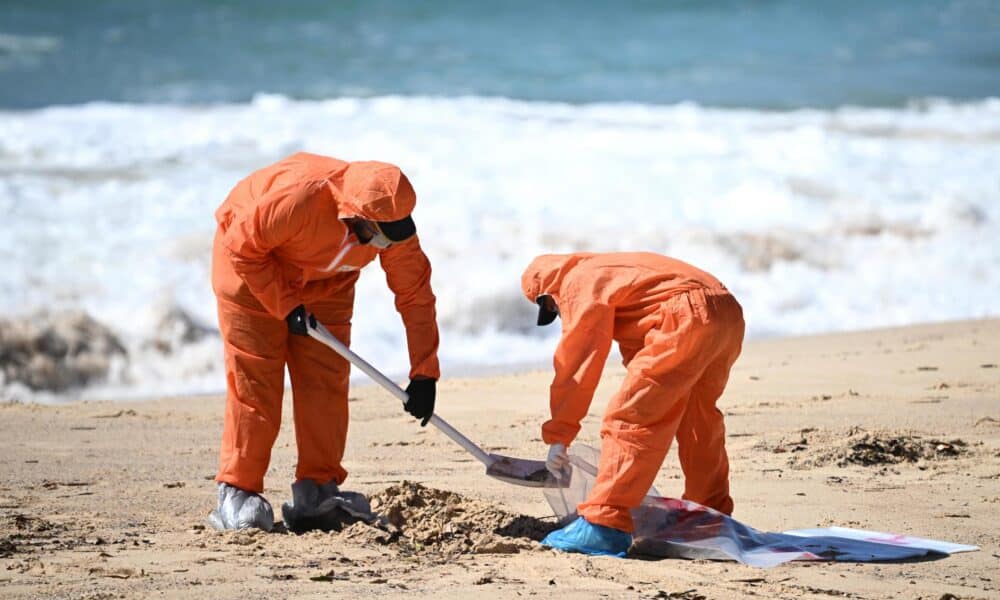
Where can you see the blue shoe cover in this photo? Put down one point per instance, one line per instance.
(587, 538)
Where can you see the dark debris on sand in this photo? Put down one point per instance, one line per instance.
(868, 448)
(24, 534)
(872, 449)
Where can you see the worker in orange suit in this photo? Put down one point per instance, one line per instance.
(679, 331)
(291, 240)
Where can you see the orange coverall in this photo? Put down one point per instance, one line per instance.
(679, 331)
(280, 243)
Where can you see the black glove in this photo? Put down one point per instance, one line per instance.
(297, 321)
(421, 402)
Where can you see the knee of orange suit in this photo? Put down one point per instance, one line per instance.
(255, 375)
(640, 440)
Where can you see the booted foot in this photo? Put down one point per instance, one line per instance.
(239, 509)
(323, 507)
(587, 538)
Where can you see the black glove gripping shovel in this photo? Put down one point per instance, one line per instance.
(519, 471)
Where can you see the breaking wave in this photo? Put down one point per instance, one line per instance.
(818, 220)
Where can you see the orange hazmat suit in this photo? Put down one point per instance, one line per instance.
(679, 331)
(280, 243)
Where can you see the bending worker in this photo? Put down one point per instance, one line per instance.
(290, 242)
(679, 331)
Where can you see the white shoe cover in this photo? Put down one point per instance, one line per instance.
(239, 509)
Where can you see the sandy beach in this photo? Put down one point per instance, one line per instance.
(109, 499)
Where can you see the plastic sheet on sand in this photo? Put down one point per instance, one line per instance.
(672, 528)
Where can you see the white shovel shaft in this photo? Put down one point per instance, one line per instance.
(321, 334)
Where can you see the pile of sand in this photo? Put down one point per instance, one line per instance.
(418, 519)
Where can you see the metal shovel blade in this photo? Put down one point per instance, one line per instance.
(519, 471)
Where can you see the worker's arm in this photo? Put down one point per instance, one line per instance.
(579, 360)
(252, 239)
(408, 273)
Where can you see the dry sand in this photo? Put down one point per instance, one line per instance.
(103, 500)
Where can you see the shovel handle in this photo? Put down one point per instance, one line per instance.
(321, 334)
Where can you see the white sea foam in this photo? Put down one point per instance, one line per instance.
(817, 220)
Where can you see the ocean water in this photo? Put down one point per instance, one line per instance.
(837, 167)
(733, 53)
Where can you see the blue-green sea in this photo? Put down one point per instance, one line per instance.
(753, 53)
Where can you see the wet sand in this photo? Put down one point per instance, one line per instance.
(108, 499)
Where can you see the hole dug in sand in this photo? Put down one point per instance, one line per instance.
(418, 519)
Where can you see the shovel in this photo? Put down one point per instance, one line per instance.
(519, 471)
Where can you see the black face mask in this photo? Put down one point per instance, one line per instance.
(545, 316)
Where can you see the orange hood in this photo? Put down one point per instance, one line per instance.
(376, 191)
(546, 273)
